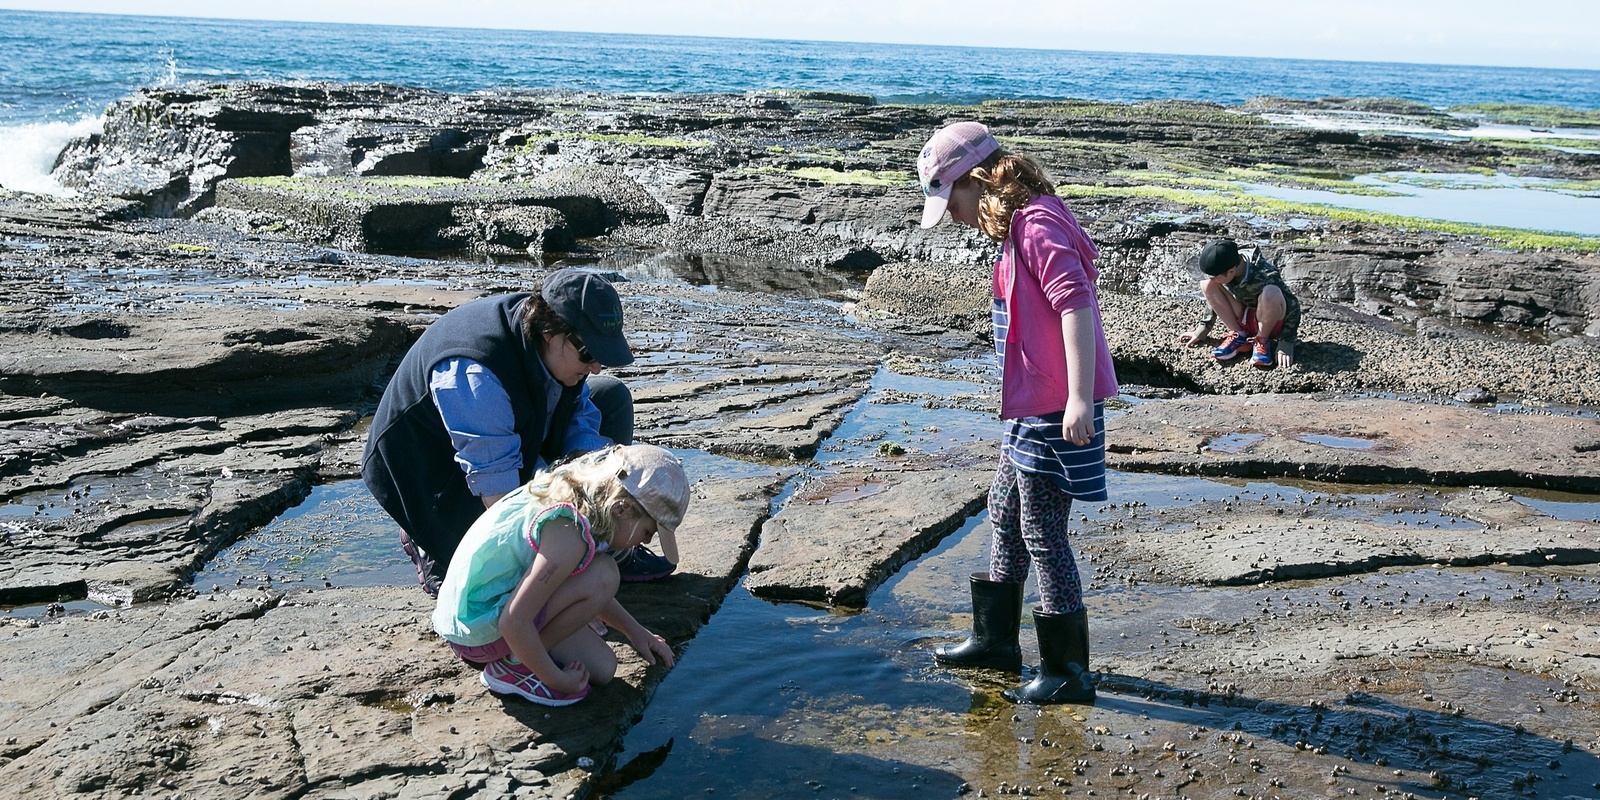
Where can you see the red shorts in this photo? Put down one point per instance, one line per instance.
(1252, 326)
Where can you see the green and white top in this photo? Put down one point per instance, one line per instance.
(491, 561)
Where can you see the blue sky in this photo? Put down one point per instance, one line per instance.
(1532, 33)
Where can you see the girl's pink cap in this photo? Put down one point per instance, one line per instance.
(947, 156)
(655, 478)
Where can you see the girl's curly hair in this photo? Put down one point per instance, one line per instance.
(1009, 181)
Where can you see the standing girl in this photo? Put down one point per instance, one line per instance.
(535, 571)
(1055, 372)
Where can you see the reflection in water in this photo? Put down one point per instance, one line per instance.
(1498, 200)
(1234, 442)
(1337, 442)
(734, 273)
(1562, 505)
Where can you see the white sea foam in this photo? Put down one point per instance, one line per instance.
(28, 153)
(1340, 120)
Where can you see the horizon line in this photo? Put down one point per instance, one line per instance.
(795, 41)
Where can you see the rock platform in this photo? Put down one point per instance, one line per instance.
(187, 350)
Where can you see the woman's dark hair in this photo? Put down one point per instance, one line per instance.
(538, 320)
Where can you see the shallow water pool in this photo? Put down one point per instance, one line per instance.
(1498, 200)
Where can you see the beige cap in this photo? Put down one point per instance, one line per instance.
(655, 478)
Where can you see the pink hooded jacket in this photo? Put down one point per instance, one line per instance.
(1053, 261)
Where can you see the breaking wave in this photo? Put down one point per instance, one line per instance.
(31, 150)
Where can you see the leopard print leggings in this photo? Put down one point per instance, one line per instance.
(1029, 514)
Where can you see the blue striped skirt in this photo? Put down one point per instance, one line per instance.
(1035, 444)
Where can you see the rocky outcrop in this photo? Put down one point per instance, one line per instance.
(1349, 354)
(1549, 291)
(377, 149)
(817, 178)
(837, 539)
(957, 298)
(124, 509)
(202, 360)
(413, 214)
(167, 148)
(1338, 348)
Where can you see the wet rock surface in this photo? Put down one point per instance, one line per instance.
(124, 508)
(1356, 440)
(745, 375)
(840, 537)
(187, 352)
(328, 693)
(1252, 542)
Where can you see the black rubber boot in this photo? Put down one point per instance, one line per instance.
(996, 615)
(1064, 675)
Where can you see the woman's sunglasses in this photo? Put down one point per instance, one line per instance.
(583, 352)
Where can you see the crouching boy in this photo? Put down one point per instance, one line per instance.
(1250, 298)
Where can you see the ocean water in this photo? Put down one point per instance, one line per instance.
(59, 71)
(59, 67)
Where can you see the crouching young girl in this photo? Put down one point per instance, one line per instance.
(535, 571)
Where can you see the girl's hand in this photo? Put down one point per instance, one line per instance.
(1077, 423)
(573, 678)
(650, 647)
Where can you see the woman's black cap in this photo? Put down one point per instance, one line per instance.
(589, 303)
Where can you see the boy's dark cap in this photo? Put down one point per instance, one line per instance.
(1218, 257)
(589, 303)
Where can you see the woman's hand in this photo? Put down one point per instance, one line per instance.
(574, 677)
(1077, 423)
(651, 647)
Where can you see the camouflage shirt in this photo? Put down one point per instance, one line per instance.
(1259, 273)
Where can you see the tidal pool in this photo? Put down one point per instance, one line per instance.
(337, 536)
(1337, 442)
(777, 701)
(715, 271)
(773, 700)
(1234, 442)
(1562, 505)
(1500, 200)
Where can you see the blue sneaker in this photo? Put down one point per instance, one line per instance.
(1262, 356)
(638, 564)
(1235, 345)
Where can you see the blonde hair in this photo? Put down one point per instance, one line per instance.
(1009, 181)
(591, 487)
